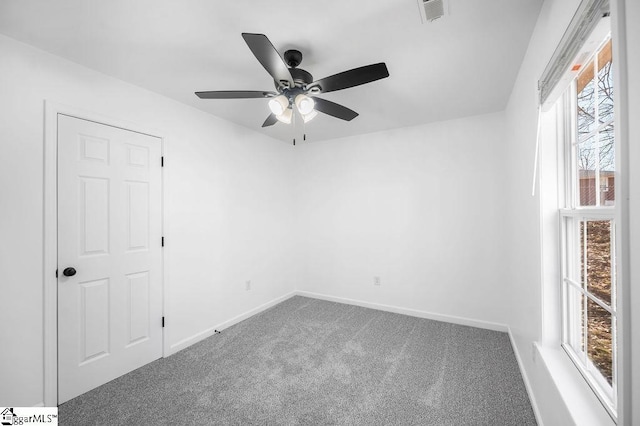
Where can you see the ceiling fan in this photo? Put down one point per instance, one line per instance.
(295, 87)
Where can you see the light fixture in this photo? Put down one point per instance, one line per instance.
(286, 115)
(279, 105)
(308, 117)
(305, 104)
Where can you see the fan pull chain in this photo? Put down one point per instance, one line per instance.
(304, 130)
(295, 122)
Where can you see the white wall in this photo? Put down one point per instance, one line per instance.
(522, 220)
(420, 207)
(557, 404)
(229, 207)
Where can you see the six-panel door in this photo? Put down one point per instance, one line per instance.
(109, 231)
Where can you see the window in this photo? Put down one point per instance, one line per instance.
(588, 227)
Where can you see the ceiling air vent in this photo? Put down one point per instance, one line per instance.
(433, 9)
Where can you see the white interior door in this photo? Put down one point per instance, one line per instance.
(109, 231)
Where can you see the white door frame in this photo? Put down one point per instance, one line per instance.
(50, 229)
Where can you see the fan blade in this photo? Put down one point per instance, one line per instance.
(269, 57)
(351, 78)
(270, 121)
(235, 94)
(333, 109)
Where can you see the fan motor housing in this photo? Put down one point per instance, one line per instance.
(300, 77)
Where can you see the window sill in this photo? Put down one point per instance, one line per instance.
(583, 405)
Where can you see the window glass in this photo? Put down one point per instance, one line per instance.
(598, 259)
(586, 89)
(588, 285)
(600, 340)
(595, 133)
(586, 156)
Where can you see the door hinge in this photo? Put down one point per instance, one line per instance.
(162, 161)
(162, 322)
(56, 273)
(162, 241)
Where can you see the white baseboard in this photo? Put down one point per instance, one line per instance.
(525, 378)
(411, 312)
(184, 343)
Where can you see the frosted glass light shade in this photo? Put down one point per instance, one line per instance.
(305, 104)
(285, 117)
(279, 104)
(308, 117)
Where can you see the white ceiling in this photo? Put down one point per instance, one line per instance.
(462, 64)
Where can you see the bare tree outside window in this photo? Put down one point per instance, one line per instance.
(595, 132)
(592, 312)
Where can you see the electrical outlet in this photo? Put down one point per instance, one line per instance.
(376, 280)
(247, 285)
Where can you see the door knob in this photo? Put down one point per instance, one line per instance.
(69, 272)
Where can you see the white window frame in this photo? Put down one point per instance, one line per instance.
(571, 215)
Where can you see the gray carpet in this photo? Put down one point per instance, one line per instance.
(312, 362)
